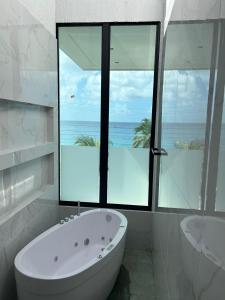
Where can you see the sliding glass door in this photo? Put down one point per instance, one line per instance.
(132, 62)
(185, 119)
(107, 84)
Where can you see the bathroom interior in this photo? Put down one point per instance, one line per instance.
(112, 150)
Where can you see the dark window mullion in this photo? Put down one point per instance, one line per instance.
(154, 116)
(104, 114)
(156, 171)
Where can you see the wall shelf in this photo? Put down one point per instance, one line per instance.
(26, 201)
(9, 159)
(30, 102)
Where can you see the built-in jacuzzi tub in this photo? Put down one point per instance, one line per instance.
(76, 260)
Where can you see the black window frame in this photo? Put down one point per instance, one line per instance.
(105, 81)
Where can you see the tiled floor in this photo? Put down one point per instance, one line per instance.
(135, 281)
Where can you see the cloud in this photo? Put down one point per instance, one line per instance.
(85, 85)
(80, 92)
(131, 85)
(69, 78)
(92, 89)
(185, 96)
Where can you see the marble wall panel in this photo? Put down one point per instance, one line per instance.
(20, 183)
(170, 279)
(28, 63)
(23, 125)
(109, 11)
(43, 10)
(28, 59)
(16, 233)
(196, 10)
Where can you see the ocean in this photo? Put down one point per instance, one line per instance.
(121, 133)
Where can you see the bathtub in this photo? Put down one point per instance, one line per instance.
(203, 253)
(77, 260)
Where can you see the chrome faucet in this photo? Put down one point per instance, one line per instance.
(78, 208)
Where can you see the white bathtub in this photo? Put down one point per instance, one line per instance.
(78, 260)
(203, 252)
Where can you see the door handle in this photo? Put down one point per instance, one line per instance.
(159, 152)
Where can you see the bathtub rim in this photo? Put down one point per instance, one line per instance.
(200, 246)
(115, 242)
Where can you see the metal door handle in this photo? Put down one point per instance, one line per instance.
(159, 152)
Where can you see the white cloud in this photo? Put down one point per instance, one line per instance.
(185, 96)
(92, 89)
(125, 86)
(130, 85)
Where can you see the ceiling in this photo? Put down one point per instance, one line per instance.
(189, 46)
(132, 47)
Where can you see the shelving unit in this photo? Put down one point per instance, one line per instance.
(30, 102)
(14, 158)
(24, 158)
(26, 201)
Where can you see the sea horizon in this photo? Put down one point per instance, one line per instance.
(121, 133)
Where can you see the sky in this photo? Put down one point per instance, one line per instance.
(184, 96)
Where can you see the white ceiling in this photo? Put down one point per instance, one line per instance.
(132, 47)
(83, 45)
(189, 46)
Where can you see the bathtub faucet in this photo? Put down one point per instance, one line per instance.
(78, 208)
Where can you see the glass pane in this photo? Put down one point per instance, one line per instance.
(131, 88)
(80, 100)
(184, 113)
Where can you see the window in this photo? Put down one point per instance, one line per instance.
(110, 120)
(188, 51)
(132, 58)
(107, 94)
(80, 103)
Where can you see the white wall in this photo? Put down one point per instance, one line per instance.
(28, 107)
(28, 133)
(169, 5)
(109, 10)
(196, 10)
(222, 9)
(42, 10)
(137, 10)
